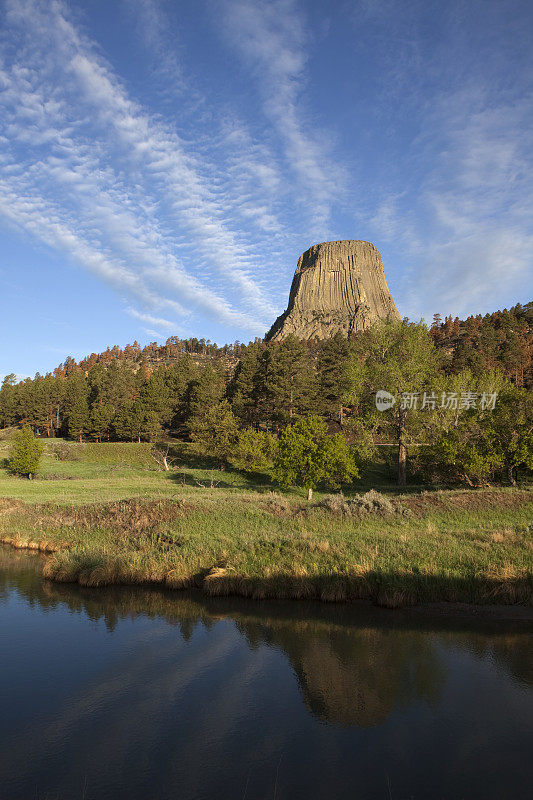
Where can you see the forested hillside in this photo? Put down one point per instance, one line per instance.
(196, 390)
(502, 340)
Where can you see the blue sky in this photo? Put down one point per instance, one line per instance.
(163, 164)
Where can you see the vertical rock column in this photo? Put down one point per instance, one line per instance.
(337, 286)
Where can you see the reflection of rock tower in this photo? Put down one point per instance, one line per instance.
(337, 286)
(341, 673)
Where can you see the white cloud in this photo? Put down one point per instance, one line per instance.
(153, 30)
(272, 39)
(69, 187)
(156, 334)
(465, 224)
(151, 320)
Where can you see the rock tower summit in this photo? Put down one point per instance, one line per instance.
(337, 286)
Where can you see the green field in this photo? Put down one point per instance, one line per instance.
(114, 518)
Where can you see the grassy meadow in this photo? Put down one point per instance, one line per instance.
(111, 516)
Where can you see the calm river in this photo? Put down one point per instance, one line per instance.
(119, 693)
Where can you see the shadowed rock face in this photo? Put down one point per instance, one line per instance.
(337, 286)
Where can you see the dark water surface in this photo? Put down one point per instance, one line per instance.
(119, 693)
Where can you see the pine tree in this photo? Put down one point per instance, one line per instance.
(151, 427)
(155, 397)
(286, 382)
(100, 420)
(78, 420)
(26, 453)
(202, 395)
(215, 431)
(334, 377)
(128, 422)
(244, 388)
(8, 401)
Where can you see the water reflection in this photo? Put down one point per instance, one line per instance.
(137, 693)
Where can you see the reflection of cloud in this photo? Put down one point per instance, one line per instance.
(144, 711)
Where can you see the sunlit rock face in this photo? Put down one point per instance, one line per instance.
(337, 286)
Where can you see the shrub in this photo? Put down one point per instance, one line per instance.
(26, 453)
(64, 451)
(277, 504)
(337, 504)
(371, 502)
(254, 450)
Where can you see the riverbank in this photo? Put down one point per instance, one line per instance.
(456, 546)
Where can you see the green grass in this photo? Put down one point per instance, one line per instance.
(115, 519)
(116, 471)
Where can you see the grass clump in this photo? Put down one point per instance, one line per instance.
(371, 502)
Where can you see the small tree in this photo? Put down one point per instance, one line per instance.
(159, 453)
(26, 453)
(307, 456)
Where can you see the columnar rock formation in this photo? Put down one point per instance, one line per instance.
(338, 286)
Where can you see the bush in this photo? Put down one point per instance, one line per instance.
(371, 502)
(64, 451)
(277, 504)
(26, 453)
(254, 451)
(336, 504)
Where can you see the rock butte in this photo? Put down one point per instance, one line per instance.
(337, 286)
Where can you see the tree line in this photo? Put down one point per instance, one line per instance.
(441, 415)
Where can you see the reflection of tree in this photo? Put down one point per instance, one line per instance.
(515, 654)
(21, 570)
(352, 670)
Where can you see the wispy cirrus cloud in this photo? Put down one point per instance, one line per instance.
(194, 205)
(88, 171)
(151, 320)
(273, 40)
(152, 28)
(459, 212)
(466, 227)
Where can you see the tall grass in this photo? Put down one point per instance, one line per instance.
(111, 517)
(456, 546)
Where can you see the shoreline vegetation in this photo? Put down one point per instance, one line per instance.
(229, 534)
